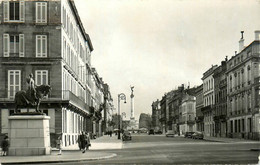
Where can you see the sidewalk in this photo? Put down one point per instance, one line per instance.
(71, 153)
(101, 143)
(67, 156)
(230, 140)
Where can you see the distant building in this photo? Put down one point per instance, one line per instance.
(156, 113)
(163, 114)
(199, 105)
(145, 121)
(208, 101)
(174, 108)
(220, 107)
(243, 76)
(187, 114)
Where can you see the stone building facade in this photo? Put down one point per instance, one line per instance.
(208, 101)
(187, 114)
(47, 39)
(220, 107)
(199, 105)
(243, 74)
(156, 113)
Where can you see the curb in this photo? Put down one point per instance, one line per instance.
(61, 161)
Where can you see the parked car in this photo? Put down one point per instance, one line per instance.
(158, 132)
(170, 133)
(151, 132)
(188, 134)
(126, 136)
(197, 135)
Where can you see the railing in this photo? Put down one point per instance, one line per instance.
(55, 95)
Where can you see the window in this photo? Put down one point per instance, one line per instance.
(14, 11)
(14, 82)
(41, 77)
(41, 45)
(41, 12)
(13, 45)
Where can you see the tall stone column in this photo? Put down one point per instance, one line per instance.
(132, 104)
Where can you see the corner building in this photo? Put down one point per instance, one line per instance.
(46, 38)
(243, 81)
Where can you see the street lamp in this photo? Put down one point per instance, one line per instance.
(123, 115)
(121, 96)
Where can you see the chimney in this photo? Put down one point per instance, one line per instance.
(257, 35)
(241, 42)
(226, 58)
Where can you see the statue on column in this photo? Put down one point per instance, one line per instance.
(132, 89)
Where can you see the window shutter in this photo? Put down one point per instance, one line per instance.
(22, 11)
(38, 46)
(6, 45)
(38, 12)
(44, 46)
(21, 45)
(6, 11)
(44, 12)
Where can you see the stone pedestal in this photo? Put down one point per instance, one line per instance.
(29, 135)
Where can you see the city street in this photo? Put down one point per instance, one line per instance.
(157, 149)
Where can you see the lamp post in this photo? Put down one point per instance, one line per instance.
(121, 96)
(123, 115)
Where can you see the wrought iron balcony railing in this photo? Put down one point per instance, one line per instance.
(55, 95)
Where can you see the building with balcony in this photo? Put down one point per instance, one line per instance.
(174, 108)
(199, 105)
(108, 109)
(156, 113)
(243, 74)
(220, 107)
(187, 114)
(163, 114)
(97, 103)
(208, 101)
(47, 39)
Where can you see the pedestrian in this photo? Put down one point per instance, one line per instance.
(5, 145)
(59, 144)
(79, 142)
(83, 141)
(88, 144)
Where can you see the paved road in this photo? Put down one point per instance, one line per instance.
(154, 149)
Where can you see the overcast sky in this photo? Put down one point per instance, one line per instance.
(157, 45)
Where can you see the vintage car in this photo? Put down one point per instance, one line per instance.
(188, 134)
(151, 132)
(197, 135)
(126, 136)
(170, 133)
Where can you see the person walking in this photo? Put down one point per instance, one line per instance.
(83, 141)
(88, 144)
(5, 145)
(59, 144)
(79, 142)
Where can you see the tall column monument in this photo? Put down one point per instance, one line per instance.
(132, 103)
(133, 124)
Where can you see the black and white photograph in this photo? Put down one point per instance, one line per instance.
(129, 82)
